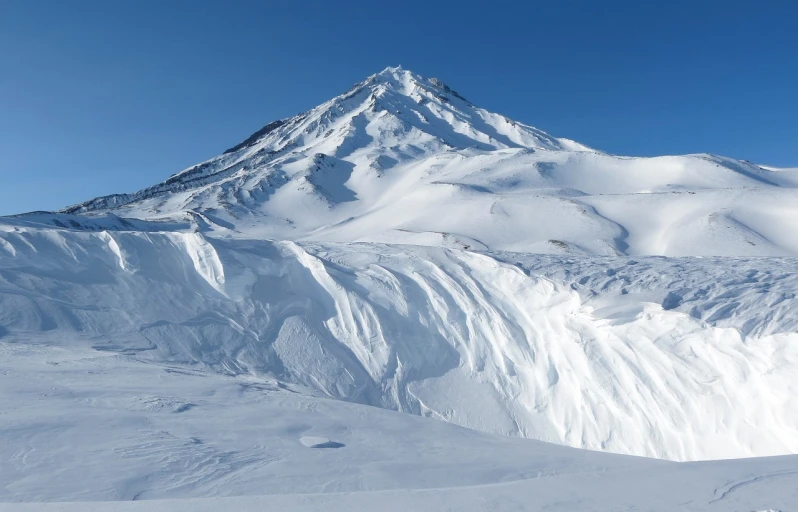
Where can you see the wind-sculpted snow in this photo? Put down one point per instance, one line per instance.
(755, 296)
(645, 356)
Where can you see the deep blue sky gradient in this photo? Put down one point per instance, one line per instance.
(99, 97)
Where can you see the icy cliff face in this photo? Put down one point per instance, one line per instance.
(400, 247)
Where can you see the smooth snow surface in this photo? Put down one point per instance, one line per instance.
(222, 335)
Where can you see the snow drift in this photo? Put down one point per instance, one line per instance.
(476, 339)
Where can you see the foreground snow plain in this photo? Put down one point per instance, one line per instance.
(243, 334)
(112, 432)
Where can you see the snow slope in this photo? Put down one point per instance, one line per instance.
(670, 358)
(99, 431)
(404, 159)
(222, 333)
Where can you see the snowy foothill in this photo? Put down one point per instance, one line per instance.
(399, 300)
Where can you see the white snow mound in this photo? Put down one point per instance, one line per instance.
(616, 357)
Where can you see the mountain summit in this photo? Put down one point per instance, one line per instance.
(393, 116)
(399, 107)
(401, 158)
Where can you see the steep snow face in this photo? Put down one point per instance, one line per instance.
(404, 159)
(664, 358)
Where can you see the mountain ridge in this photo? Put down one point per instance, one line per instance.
(399, 158)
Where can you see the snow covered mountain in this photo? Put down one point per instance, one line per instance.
(399, 247)
(403, 159)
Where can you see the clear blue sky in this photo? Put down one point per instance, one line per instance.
(110, 96)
